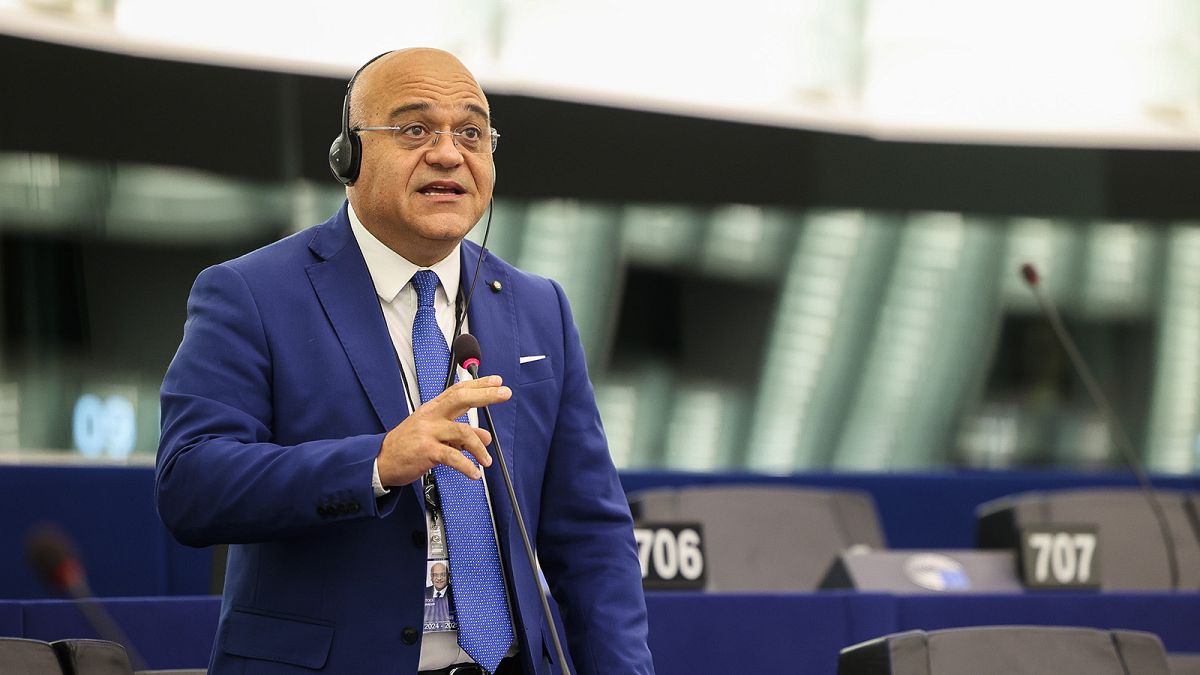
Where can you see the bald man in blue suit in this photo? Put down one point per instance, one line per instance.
(287, 431)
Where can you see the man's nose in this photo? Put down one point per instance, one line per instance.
(444, 151)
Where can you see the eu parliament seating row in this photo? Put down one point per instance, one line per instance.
(775, 538)
(697, 632)
(1134, 552)
(761, 537)
(991, 650)
(109, 512)
(71, 657)
(786, 538)
(1005, 650)
(767, 538)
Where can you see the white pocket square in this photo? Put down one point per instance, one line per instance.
(531, 359)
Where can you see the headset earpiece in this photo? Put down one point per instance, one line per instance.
(345, 154)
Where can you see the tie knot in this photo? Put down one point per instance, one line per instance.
(426, 283)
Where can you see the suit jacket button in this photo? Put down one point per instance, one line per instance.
(418, 539)
(409, 635)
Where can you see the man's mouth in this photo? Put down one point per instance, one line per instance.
(442, 188)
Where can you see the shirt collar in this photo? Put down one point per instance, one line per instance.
(391, 272)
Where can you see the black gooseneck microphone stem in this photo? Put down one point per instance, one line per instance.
(460, 316)
(106, 627)
(1118, 430)
(533, 566)
(487, 229)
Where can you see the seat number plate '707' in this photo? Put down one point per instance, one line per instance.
(1060, 556)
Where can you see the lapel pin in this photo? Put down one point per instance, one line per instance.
(496, 286)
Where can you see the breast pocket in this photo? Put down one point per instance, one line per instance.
(534, 369)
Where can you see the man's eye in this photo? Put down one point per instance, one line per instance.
(414, 131)
(471, 133)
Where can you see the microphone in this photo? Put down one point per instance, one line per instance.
(467, 355)
(52, 556)
(1030, 275)
(1120, 437)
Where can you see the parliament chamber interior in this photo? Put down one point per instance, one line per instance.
(823, 315)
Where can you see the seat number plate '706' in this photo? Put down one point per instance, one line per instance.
(671, 555)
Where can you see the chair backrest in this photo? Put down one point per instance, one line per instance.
(1002, 650)
(1184, 664)
(18, 655)
(765, 537)
(92, 657)
(1132, 553)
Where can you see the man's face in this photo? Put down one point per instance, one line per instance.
(439, 577)
(420, 202)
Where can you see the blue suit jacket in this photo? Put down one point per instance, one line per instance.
(273, 411)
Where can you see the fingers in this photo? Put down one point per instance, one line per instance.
(466, 437)
(454, 459)
(452, 404)
(479, 449)
(455, 401)
(471, 440)
(485, 437)
(421, 442)
(432, 435)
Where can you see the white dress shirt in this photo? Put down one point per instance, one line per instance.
(391, 274)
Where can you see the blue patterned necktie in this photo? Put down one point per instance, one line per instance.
(485, 630)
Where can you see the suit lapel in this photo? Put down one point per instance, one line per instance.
(344, 287)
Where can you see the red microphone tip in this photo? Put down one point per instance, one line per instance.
(468, 362)
(68, 575)
(1030, 274)
(466, 347)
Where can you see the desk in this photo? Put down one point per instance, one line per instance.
(697, 633)
(741, 633)
(109, 511)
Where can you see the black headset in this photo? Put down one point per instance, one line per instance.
(345, 155)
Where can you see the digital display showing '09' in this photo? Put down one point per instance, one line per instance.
(104, 426)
